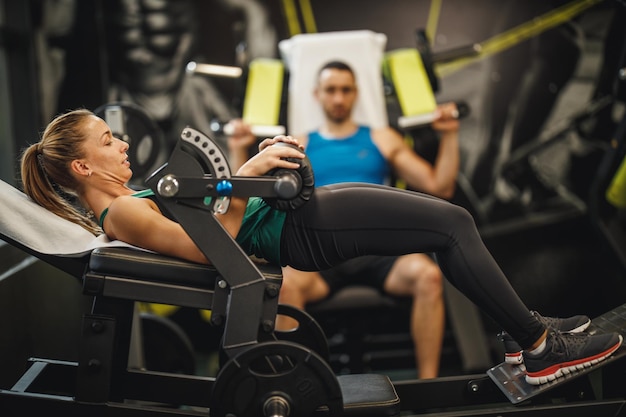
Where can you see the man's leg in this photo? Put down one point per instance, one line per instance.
(299, 288)
(418, 276)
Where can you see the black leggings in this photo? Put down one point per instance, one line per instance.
(345, 221)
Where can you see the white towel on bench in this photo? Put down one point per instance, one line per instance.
(31, 225)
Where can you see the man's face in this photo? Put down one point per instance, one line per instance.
(336, 92)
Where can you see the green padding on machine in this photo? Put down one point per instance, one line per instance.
(404, 67)
(263, 92)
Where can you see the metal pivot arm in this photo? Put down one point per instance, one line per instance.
(192, 187)
(285, 186)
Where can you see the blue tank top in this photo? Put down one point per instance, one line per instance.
(260, 231)
(352, 159)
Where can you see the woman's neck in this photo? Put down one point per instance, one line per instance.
(99, 198)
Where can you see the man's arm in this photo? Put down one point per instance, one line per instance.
(438, 179)
(239, 144)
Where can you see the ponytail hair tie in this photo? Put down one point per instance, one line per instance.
(40, 160)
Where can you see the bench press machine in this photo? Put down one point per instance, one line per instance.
(260, 373)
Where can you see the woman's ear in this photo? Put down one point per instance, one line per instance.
(80, 168)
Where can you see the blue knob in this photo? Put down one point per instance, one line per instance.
(224, 187)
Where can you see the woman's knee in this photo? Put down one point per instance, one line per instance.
(460, 217)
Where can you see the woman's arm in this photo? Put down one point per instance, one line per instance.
(139, 221)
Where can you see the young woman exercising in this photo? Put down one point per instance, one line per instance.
(79, 154)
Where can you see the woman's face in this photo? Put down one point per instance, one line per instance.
(105, 155)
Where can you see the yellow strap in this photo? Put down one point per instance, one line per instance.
(291, 16)
(512, 37)
(413, 89)
(307, 16)
(263, 92)
(616, 193)
(433, 19)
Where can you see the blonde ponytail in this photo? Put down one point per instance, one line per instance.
(45, 169)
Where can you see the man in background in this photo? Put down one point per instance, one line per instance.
(343, 151)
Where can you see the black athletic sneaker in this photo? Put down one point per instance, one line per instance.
(568, 352)
(513, 351)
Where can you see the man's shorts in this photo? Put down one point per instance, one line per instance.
(365, 270)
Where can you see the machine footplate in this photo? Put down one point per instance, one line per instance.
(511, 378)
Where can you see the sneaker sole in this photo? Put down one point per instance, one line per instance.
(556, 371)
(516, 358)
(581, 328)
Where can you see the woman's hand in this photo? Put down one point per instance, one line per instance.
(270, 157)
(281, 138)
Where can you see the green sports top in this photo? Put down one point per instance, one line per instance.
(260, 229)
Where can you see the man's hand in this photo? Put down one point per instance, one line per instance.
(447, 118)
(241, 137)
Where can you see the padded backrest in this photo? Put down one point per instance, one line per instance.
(305, 54)
(405, 68)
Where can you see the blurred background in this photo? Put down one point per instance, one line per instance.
(543, 140)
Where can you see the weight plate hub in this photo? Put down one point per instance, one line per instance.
(276, 371)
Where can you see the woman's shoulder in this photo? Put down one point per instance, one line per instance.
(129, 203)
(128, 216)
